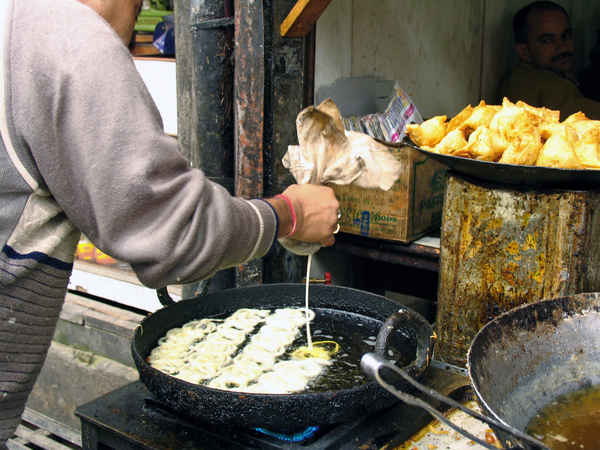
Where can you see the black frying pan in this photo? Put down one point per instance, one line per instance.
(514, 174)
(335, 307)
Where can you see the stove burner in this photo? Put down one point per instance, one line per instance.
(161, 413)
(291, 436)
(158, 410)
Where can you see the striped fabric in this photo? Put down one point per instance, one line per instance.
(35, 266)
(27, 321)
(81, 136)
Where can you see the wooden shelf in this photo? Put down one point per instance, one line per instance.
(422, 254)
(303, 17)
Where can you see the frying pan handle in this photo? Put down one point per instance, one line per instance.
(164, 298)
(199, 289)
(372, 365)
(404, 321)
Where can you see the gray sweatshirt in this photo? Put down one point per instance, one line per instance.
(89, 134)
(83, 150)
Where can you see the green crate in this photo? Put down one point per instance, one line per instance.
(149, 18)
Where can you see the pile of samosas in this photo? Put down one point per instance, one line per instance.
(513, 133)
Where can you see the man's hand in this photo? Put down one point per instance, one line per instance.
(316, 210)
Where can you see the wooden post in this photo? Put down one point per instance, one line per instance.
(249, 76)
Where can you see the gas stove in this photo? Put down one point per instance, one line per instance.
(133, 418)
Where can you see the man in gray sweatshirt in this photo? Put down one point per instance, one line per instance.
(82, 149)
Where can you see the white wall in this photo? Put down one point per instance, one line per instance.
(161, 80)
(446, 54)
(333, 57)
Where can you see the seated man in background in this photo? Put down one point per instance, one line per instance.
(544, 43)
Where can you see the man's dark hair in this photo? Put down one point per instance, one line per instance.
(520, 25)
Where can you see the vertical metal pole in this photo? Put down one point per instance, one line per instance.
(204, 46)
(269, 89)
(287, 60)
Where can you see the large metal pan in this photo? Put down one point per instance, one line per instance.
(335, 307)
(529, 356)
(518, 363)
(514, 174)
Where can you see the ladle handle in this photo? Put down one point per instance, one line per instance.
(371, 365)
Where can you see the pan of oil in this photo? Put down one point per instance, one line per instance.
(536, 368)
(571, 421)
(349, 317)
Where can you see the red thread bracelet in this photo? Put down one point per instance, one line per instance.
(289, 202)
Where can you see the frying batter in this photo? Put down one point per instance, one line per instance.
(201, 352)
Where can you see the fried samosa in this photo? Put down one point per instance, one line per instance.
(452, 143)
(523, 149)
(587, 146)
(458, 120)
(482, 116)
(429, 133)
(484, 145)
(558, 152)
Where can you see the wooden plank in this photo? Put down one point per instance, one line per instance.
(127, 276)
(120, 286)
(249, 104)
(38, 439)
(86, 304)
(303, 17)
(52, 426)
(14, 445)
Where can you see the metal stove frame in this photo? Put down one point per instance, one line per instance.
(131, 418)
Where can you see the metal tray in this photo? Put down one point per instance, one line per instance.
(516, 175)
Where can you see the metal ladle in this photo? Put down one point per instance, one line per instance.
(372, 364)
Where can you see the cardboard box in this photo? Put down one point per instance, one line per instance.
(408, 211)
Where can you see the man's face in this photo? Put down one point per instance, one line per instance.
(120, 14)
(550, 41)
